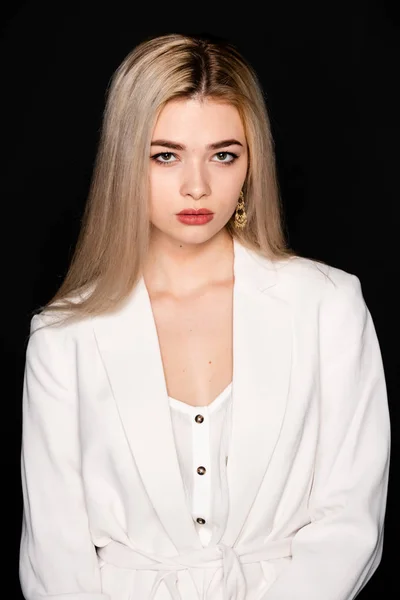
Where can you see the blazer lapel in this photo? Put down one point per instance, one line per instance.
(262, 349)
(128, 343)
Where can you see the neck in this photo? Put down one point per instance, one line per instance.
(180, 269)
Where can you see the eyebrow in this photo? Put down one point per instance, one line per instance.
(214, 146)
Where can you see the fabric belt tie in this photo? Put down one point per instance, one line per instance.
(228, 558)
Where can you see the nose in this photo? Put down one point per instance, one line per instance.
(195, 181)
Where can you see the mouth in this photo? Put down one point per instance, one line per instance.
(195, 218)
(192, 211)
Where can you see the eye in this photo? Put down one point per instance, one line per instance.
(156, 158)
(224, 155)
(165, 155)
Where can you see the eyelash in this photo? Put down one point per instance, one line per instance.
(160, 162)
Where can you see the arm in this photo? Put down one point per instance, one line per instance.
(57, 557)
(337, 553)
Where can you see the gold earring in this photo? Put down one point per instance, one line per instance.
(240, 214)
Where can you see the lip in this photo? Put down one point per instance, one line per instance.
(195, 219)
(192, 211)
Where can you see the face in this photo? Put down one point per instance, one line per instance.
(198, 160)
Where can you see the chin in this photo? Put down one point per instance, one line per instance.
(189, 234)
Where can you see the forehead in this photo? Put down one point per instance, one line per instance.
(207, 119)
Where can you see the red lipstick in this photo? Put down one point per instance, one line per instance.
(190, 216)
(192, 211)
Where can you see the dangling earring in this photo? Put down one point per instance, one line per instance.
(240, 214)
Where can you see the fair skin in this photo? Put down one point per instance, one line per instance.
(189, 271)
(182, 258)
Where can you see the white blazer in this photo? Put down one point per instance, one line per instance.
(105, 513)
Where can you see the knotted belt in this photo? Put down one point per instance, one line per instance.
(228, 558)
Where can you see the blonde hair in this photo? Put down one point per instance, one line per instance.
(114, 237)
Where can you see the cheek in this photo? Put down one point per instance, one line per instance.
(163, 195)
(163, 188)
(157, 182)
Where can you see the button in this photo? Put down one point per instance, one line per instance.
(200, 521)
(201, 470)
(199, 418)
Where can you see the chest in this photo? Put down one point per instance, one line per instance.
(195, 338)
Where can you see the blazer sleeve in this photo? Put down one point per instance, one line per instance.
(335, 555)
(57, 557)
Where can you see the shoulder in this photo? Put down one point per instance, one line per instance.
(50, 329)
(305, 276)
(334, 296)
(321, 293)
(59, 320)
(48, 337)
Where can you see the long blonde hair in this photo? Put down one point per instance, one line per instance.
(115, 231)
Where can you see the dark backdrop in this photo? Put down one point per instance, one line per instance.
(330, 74)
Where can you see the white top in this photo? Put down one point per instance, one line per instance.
(202, 436)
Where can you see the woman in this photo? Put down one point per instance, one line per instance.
(204, 412)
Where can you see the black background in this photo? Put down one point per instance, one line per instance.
(330, 72)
